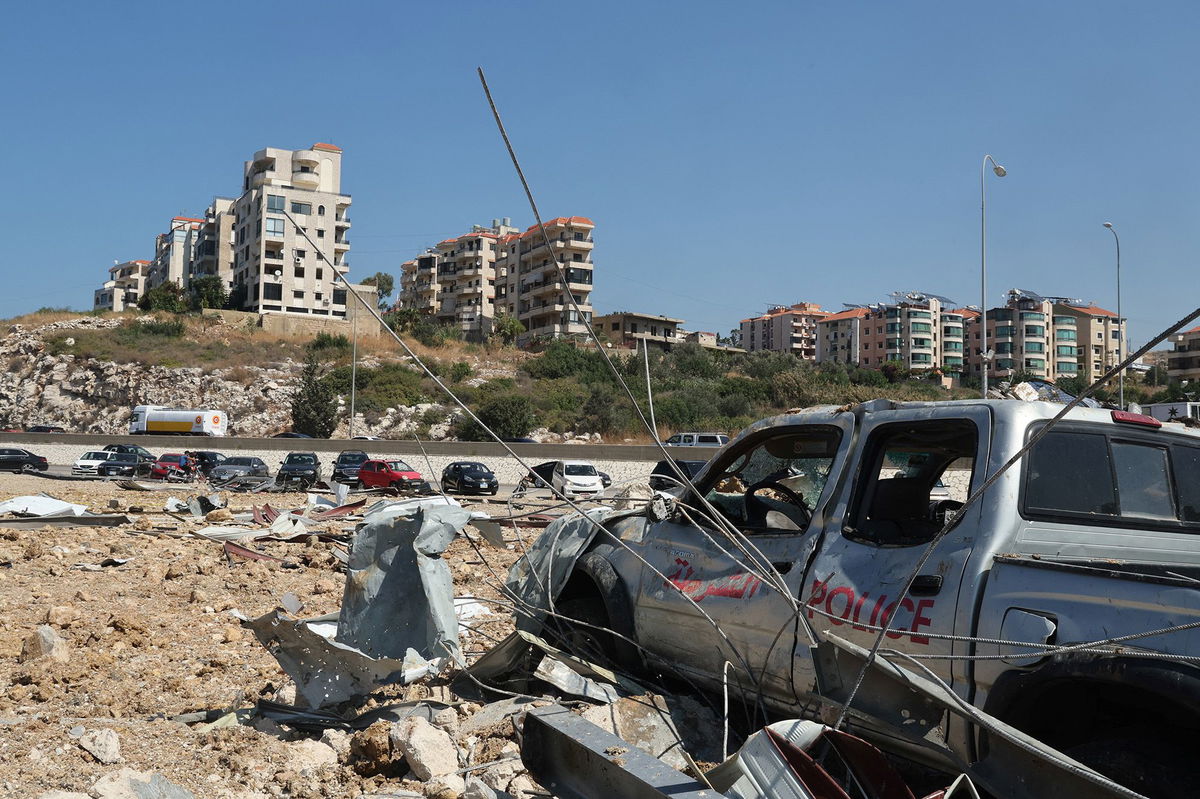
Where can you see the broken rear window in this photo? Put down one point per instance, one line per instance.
(1112, 478)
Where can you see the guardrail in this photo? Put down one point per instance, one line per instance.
(455, 449)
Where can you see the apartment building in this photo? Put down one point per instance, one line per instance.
(275, 268)
(839, 336)
(918, 331)
(785, 328)
(124, 287)
(632, 330)
(1183, 359)
(418, 284)
(213, 251)
(173, 252)
(1100, 337)
(527, 282)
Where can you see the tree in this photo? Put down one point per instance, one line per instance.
(314, 407)
(507, 328)
(508, 415)
(166, 296)
(384, 285)
(208, 292)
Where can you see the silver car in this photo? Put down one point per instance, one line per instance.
(238, 467)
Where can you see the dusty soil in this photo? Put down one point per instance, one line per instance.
(155, 638)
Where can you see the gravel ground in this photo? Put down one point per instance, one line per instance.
(155, 638)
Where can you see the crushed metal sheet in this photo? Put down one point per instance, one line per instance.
(567, 680)
(40, 505)
(391, 628)
(67, 520)
(490, 530)
(227, 533)
(337, 512)
(233, 550)
(308, 720)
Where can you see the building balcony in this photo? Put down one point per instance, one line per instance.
(306, 180)
(258, 179)
(571, 244)
(342, 244)
(306, 157)
(341, 221)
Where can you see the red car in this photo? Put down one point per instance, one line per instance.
(173, 464)
(391, 474)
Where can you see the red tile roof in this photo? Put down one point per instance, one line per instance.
(185, 219)
(851, 313)
(965, 313)
(560, 220)
(141, 262)
(1193, 330)
(1094, 310)
(333, 148)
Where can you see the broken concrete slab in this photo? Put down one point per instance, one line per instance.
(44, 642)
(645, 722)
(307, 756)
(494, 713)
(567, 680)
(130, 784)
(429, 751)
(104, 745)
(40, 505)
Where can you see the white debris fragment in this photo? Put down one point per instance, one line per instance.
(104, 745)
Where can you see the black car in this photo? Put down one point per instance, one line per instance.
(290, 434)
(605, 480)
(539, 477)
(469, 477)
(300, 469)
(663, 477)
(206, 460)
(123, 464)
(45, 428)
(143, 454)
(345, 468)
(21, 460)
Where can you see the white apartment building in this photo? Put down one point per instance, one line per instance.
(124, 287)
(839, 334)
(275, 268)
(631, 330)
(173, 252)
(1183, 359)
(213, 251)
(785, 328)
(527, 282)
(918, 332)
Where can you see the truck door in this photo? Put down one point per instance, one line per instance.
(887, 519)
(770, 490)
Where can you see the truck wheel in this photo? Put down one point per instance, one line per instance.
(1149, 761)
(589, 640)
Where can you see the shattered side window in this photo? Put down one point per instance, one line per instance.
(1185, 462)
(1070, 472)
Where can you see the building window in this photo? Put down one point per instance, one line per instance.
(272, 291)
(339, 296)
(299, 271)
(301, 208)
(320, 210)
(275, 202)
(297, 295)
(301, 253)
(320, 234)
(320, 274)
(274, 226)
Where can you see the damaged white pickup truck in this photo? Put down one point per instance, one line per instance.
(1034, 606)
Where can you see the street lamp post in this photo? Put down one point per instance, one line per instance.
(1120, 321)
(1000, 172)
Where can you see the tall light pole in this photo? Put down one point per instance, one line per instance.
(1000, 172)
(1120, 321)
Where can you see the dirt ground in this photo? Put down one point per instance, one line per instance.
(155, 638)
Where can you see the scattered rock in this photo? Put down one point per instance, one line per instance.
(45, 643)
(478, 789)
(447, 786)
(219, 515)
(130, 784)
(430, 752)
(63, 795)
(62, 616)
(104, 745)
(307, 756)
(232, 634)
(338, 740)
(324, 586)
(447, 719)
(522, 786)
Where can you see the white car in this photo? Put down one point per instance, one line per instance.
(89, 462)
(577, 479)
(697, 440)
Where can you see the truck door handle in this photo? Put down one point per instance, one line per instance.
(926, 585)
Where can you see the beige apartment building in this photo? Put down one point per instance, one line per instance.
(632, 330)
(124, 287)
(785, 328)
(1050, 337)
(275, 268)
(839, 336)
(1183, 359)
(419, 284)
(527, 282)
(918, 332)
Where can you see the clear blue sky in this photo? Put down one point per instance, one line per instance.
(733, 155)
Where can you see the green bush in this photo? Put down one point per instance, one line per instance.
(165, 297)
(459, 371)
(390, 385)
(560, 359)
(329, 344)
(314, 407)
(508, 415)
(162, 328)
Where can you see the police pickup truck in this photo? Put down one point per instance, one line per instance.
(1091, 536)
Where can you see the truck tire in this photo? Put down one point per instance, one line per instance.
(1147, 760)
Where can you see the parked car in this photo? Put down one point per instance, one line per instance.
(469, 477)
(206, 460)
(299, 469)
(21, 460)
(345, 468)
(238, 466)
(290, 434)
(87, 463)
(605, 480)
(392, 474)
(1093, 537)
(366, 438)
(173, 466)
(45, 428)
(664, 478)
(143, 455)
(539, 477)
(697, 440)
(121, 464)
